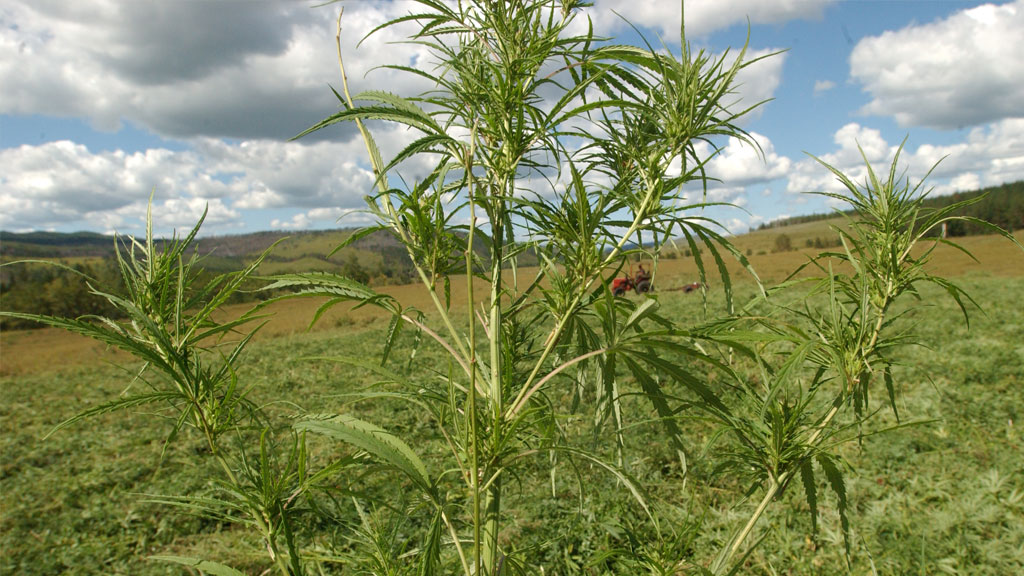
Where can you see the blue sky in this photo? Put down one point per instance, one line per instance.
(105, 101)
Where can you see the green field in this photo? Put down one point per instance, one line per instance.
(942, 496)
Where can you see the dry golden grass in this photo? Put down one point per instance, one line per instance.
(30, 351)
(995, 256)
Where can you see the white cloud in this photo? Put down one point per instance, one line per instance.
(855, 142)
(64, 185)
(185, 69)
(989, 156)
(822, 86)
(741, 164)
(318, 216)
(736, 225)
(48, 185)
(964, 182)
(702, 16)
(964, 70)
(758, 82)
(182, 213)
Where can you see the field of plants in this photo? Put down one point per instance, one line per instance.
(845, 407)
(942, 496)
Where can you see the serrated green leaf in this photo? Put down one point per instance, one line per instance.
(394, 329)
(376, 441)
(811, 491)
(835, 480)
(213, 568)
(891, 389)
(121, 404)
(354, 237)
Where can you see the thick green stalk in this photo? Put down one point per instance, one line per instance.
(492, 497)
(491, 526)
(471, 412)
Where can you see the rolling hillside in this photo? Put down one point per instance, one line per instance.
(379, 260)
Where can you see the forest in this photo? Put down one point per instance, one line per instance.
(1001, 205)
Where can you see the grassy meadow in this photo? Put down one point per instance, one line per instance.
(943, 494)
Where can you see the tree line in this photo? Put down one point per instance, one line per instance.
(1001, 205)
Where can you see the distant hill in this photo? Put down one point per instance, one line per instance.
(379, 259)
(1003, 206)
(54, 245)
(304, 250)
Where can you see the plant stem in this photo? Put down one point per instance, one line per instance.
(812, 441)
(552, 339)
(471, 412)
(261, 522)
(458, 546)
(491, 526)
(389, 208)
(723, 560)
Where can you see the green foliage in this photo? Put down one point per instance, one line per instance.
(519, 85)
(168, 323)
(1001, 205)
(53, 290)
(550, 380)
(783, 243)
(944, 493)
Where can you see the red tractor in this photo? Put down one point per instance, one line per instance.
(641, 283)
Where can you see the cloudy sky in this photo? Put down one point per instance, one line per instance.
(104, 101)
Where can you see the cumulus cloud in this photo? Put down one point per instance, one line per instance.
(317, 216)
(758, 81)
(964, 70)
(186, 69)
(741, 164)
(740, 176)
(65, 185)
(988, 156)
(822, 86)
(854, 143)
(702, 16)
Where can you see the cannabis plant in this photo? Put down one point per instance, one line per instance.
(610, 135)
(189, 356)
(517, 99)
(550, 145)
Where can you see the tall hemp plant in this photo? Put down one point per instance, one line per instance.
(519, 102)
(811, 368)
(191, 353)
(574, 150)
(518, 99)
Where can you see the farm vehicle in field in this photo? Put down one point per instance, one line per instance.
(641, 283)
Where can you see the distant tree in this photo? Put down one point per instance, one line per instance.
(57, 291)
(783, 243)
(354, 270)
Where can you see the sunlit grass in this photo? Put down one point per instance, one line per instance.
(932, 498)
(27, 351)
